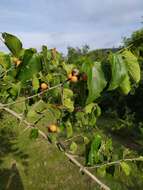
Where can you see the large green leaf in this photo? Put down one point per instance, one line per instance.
(96, 80)
(93, 156)
(132, 65)
(31, 65)
(125, 85)
(13, 43)
(118, 69)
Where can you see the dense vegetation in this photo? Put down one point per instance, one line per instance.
(88, 104)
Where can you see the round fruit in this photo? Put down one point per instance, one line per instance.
(74, 79)
(52, 128)
(84, 77)
(44, 86)
(70, 76)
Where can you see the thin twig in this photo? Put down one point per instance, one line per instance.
(35, 95)
(73, 138)
(140, 158)
(71, 157)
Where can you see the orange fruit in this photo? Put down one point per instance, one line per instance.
(74, 79)
(69, 76)
(52, 128)
(44, 86)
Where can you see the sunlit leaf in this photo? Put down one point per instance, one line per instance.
(69, 129)
(95, 81)
(73, 147)
(13, 43)
(89, 107)
(125, 85)
(35, 83)
(67, 99)
(132, 65)
(118, 69)
(126, 168)
(31, 65)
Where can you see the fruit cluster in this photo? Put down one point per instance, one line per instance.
(74, 76)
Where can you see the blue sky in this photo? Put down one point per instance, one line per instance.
(63, 23)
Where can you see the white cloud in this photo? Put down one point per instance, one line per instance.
(98, 23)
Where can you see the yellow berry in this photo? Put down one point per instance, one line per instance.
(44, 86)
(74, 79)
(52, 128)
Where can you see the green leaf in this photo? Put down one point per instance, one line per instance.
(89, 107)
(46, 57)
(125, 85)
(35, 83)
(132, 65)
(69, 129)
(30, 66)
(96, 142)
(118, 69)
(102, 171)
(34, 133)
(73, 147)
(5, 61)
(15, 90)
(94, 156)
(126, 168)
(96, 80)
(86, 140)
(97, 111)
(13, 43)
(67, 99)
(1, 71)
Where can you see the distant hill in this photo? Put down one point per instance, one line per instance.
(101, 54)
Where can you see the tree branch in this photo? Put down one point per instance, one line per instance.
(140, 158)
(35, 95)
(83, 169)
